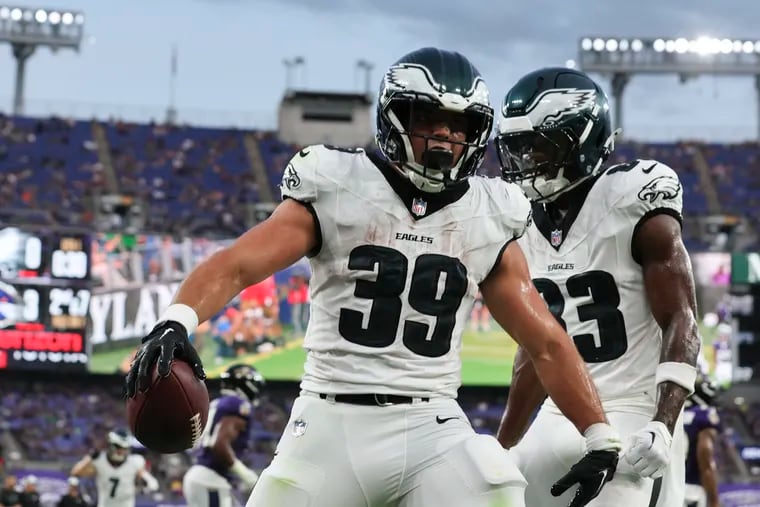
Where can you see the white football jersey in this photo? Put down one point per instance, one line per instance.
(397, 271)
(116, 484)
(587, 274)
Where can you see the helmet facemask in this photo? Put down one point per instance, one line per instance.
(118, 446)
(437, 167)
(545, 162)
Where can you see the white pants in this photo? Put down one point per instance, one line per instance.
(407, 455)
(203, 487)
(695, 496)
(552, 445)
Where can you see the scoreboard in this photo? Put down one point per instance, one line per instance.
(44, 298)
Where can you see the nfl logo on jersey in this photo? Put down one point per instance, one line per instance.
(556, 238)
(419, 206)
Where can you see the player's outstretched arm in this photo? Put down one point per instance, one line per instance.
(285, 237)
(708, 472)
(150, 482)
(669, 285)
(229, 429)
(525, 395)
(83, 468)
(516, 305)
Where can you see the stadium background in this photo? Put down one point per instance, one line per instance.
(101, 217)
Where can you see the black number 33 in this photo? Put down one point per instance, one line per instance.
(424, 297)
(601, 286)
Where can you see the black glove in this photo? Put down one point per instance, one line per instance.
(167, 341)
(590, 473)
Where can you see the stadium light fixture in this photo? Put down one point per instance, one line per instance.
(27, 28)
(701, 45)
(622, 57)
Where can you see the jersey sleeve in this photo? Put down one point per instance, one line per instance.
(138, 461)
(519, 213)
(301, 176)
(652, 188)
(645, 189)
(507, 215)
(301, 181)
(710, 419)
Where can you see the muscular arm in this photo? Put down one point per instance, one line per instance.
(708, 473)
(229, 429)
(517, 306)
(286, 236)
(525, 395)
(83, 467)
(669, 288)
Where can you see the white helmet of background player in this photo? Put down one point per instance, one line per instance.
(424, 85)
(243, 381)
(118, 445)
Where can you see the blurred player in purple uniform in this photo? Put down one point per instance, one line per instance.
(701, 423)
(209, 482)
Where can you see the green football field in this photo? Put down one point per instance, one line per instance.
(487, 359)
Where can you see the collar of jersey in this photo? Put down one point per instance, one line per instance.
(408, 192)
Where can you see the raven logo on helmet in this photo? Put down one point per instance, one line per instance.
(666, 186)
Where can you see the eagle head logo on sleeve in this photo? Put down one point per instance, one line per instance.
(665, 187)
(290, 179)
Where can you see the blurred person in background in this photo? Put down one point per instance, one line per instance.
(209, 482)
(480, 317)
(298, 299)
(9, 495)
(73, 496)
(702, 425)
(30, 497)
(723, 355)
(116, 471)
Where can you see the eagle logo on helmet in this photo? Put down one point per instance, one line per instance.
(666, 187)
(552, 106)
(418, 78)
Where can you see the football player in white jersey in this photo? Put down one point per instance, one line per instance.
(115, 472)
(399, 241)
(606, 253)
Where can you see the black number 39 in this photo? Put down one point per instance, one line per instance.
(601, 286)
(424, 297)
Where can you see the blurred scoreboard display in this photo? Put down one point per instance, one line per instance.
(44, 298)
(745, 308)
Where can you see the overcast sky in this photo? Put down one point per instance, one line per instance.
(231, 54)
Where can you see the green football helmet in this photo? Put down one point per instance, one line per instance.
(555, 132)
(423, 82)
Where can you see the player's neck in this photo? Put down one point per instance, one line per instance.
(570, 199)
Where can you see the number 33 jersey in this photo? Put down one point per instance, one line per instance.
(396, 271)
(586, 272)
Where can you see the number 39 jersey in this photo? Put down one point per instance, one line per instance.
(397, 270)
(588, 277)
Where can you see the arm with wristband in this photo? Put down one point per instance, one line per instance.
(286, 236)
(669, 286)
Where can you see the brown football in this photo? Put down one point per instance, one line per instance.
(170, 416)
